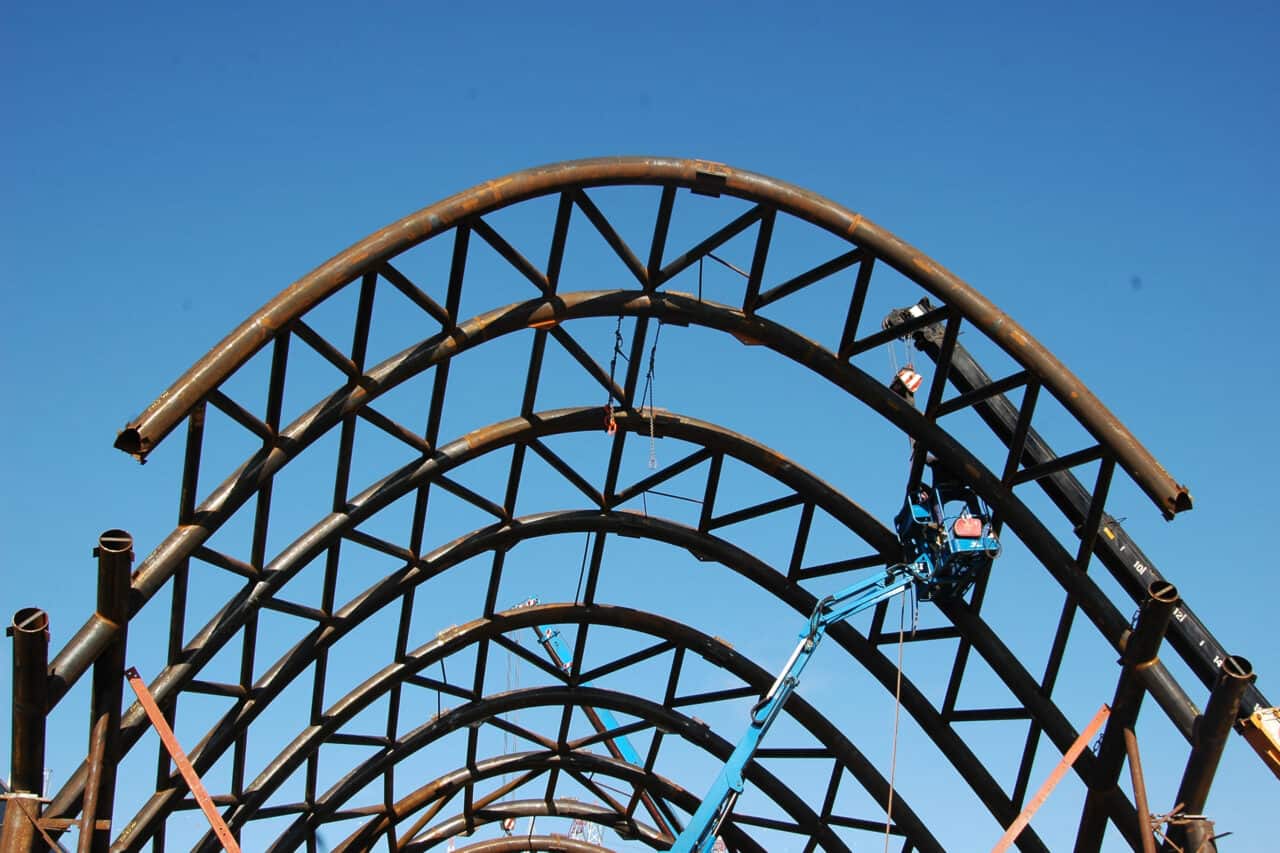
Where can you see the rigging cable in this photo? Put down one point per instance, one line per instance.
(648, 395)
(611, 425)
(586, 546)
(897, 708)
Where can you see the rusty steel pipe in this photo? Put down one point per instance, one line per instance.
(532, 842)
(30, 633)
(1211, 733)
(1140, 653)
(115, 559)
(144, 432)
(1139, 780)
(98, 737)
(561, 807)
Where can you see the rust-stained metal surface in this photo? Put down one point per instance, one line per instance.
(142, 434)
(230, 525)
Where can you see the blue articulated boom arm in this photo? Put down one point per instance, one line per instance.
(700, 834)
(601, 719)
(563, 658)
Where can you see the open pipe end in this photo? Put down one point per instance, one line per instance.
(115, 541)
(1237, 668)
(1163, 592)
(1180, 501)
(29, 620)
(130, 441)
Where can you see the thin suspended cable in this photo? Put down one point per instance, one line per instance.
(648, 395)
(586, 546)
(897, 708)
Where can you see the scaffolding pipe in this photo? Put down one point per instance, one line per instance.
(1141, 652)
(115, 559)
(30, 632)
(1139, 791)
(1195, 835)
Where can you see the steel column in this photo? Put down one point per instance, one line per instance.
(1140, 652)
(1206, 749)
(1139, 791)
(115, 558)
(30, 632)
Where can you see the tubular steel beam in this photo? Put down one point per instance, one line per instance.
(431, 797)
(685, 310)
(492, 437)
(258, 471)
(1122, 556)
(367, 261)
(532, 842)
(1206, 750)
(30, 633)
(502, 537)
(1139, 791)
(564, 807)
(1140, 653)
(474, 713)
(482, 630)
(145, 431)
(115, 558)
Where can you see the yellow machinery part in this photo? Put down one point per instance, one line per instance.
(1262, 730)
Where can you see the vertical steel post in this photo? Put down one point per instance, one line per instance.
(1139, 791)
(1140, 652)
(30, 632)
(115, 558)
(1211, 733)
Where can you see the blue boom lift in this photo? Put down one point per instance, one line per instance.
(947, 541)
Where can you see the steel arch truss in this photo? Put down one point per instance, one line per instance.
(353, 408)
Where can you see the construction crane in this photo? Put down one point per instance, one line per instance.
(947, 542)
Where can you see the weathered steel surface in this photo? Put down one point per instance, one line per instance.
(145, 431)
(553, 316)
(30, 633)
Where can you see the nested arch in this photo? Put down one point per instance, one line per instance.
(501, 537)
(497, 538)
(679, 639)
(551, 315)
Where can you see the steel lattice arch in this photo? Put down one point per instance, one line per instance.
(399, 590)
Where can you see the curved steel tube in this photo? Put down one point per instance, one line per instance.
(450, 784)
(692, 730)
(473, 444)
(145, 431)
(159, 566)
(506, 537)
(714, 651)
(564, 807)
(532, 842)
(463, 211)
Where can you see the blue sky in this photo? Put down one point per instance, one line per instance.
(1106, 175)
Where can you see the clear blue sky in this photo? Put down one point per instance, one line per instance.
(1105, 173)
